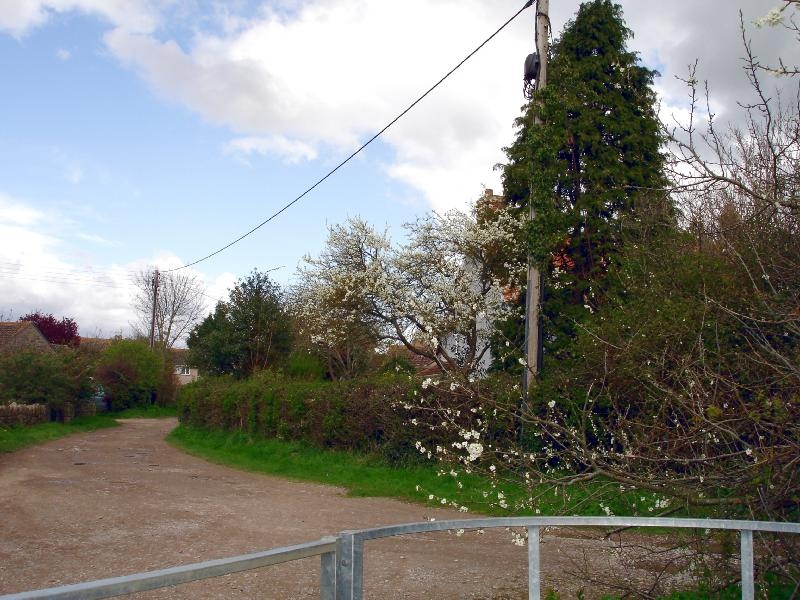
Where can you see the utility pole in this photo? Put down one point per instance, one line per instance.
(533, 297)
(153, 315)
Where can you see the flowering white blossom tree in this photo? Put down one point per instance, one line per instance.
(436, 295)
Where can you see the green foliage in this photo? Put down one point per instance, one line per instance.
(153, 411)
(213, 344)
(248, 333)
(168, 385)
(366, 474)
(131, 373)
(345, 414)
(397, 363)
(304, 365)
(44, 378)
(586, 165)
(362, 474)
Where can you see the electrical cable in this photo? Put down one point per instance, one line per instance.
(69, 270)
(528, 4)
(70, 282)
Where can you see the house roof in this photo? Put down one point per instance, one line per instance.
(20, 335)
(180, 356)
(8, 330)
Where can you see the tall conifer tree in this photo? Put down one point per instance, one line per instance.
(588, 164)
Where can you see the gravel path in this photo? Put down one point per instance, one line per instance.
(120, 501)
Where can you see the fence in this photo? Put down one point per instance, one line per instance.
(341, 557)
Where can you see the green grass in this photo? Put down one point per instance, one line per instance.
(147, 412)
(774, 590)
(21, 436)
(18, 437)
(365, 475)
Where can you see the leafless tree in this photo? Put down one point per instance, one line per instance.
(785, 16)
(179, 307)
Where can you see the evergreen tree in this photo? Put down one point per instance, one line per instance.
(248, 333)
(588, 166)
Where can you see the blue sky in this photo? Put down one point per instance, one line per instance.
(147, 132)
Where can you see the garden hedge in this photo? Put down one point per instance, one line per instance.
(378, 414)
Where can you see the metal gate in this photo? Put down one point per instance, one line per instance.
(341, 556)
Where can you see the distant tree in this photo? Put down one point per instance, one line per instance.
(179, 307)
(131, 373)
(213, 344)
(249, 332)
(63, 332)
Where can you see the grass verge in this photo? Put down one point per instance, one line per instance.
(147, 412)
(18, 437)
(365, 475)
(21, 436)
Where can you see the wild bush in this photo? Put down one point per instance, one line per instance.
(39, 378)
(131, 374)
(378, 414)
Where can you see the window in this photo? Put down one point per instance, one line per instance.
(181, 370)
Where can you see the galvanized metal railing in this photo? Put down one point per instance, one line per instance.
(151, 580)
(341, 564)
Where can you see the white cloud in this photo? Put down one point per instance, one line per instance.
(292, 151)
(301, 80)
(37, 272)
(34, 275)
(19, 17)
(324, 79)
(96, 239)
(63, 54)
(17, 212)
(335, 71)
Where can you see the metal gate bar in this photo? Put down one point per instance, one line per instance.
(342, 556)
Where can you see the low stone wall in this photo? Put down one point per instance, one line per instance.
(23, 414)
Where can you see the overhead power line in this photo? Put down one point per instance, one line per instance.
(528, 4)
(65, 281)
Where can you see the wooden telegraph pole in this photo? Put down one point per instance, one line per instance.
(153, 315)
(533, 298)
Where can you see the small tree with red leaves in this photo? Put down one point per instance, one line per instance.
(63, 332)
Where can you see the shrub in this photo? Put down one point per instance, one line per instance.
(39, 378)
(372, 414)
(131, 374)
(302, 365)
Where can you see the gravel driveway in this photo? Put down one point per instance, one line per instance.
(120, 501)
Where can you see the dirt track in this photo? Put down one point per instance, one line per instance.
(121, 500)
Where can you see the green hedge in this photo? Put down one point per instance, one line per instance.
(45, 378)
(353, 415)
(372, 414)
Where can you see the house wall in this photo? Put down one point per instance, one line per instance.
(182, 379)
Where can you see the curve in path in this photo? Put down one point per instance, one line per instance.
(119, 501)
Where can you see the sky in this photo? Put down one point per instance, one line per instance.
(138, 133)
